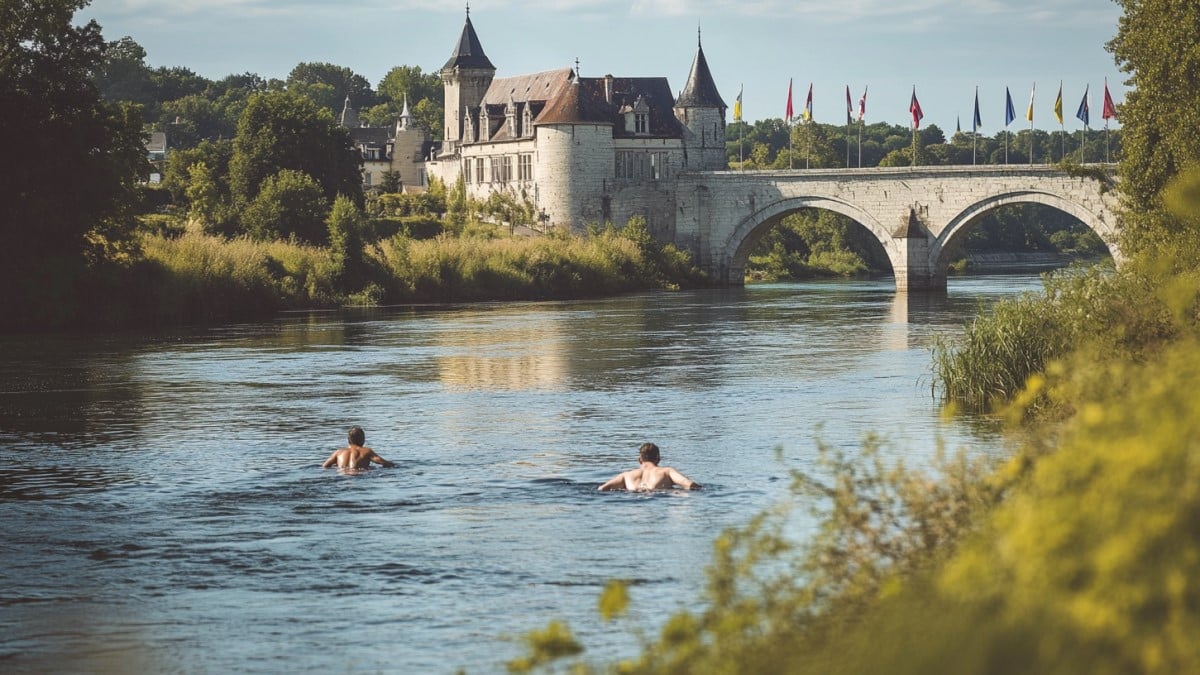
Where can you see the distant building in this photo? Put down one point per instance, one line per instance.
(156, 155)
(401, 147)
(580, 149)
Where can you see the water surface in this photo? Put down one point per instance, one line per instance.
(162, 506)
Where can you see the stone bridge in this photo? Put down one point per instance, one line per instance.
(916, 213)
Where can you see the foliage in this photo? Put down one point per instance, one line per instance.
(346, 224)
(423, 91)
(281, 130)
(65, 135)
(1158, 45)
(815, 243)
(289, 205)
(339, 83)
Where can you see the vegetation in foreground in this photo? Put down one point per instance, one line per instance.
(1075, 555)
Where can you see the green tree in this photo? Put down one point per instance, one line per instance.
(65, 198)
(345, 227)
(423, 90)
(281, 130)
(290, 204)
(339, 81)
(1158, 45)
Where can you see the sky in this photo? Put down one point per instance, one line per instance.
(945, 48)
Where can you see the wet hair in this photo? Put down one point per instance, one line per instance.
(356, 436)
(648, 453)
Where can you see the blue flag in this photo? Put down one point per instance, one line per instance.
(977, 122)
(1009, 113)
(1084, 113)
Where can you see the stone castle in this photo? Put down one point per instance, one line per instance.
(582, 150)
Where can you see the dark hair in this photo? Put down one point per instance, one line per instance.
(356, 436)
(648, 453)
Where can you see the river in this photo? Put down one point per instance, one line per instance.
(162, 508)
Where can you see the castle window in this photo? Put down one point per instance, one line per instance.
(640, 125)
(478, 169)
(467, 171)
(525, 167)
(658, 165)
(506, 165)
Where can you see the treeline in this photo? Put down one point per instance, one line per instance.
(1075, 554)
(767, 144)
(190, 108)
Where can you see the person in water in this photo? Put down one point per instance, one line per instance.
(357, 455)
(649, 476)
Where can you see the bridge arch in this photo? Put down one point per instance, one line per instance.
(746, 233)
(960, 223)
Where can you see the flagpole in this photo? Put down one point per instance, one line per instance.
(860, 123)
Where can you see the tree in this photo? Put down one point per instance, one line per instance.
(1158, 44)
(281, 130)
(67, 207)
(345, 227)
(289, 204)
(342, 82)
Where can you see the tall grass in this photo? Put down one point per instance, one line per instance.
(202, 278)
(1119, 314)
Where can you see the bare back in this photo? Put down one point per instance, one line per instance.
(649, 477)
(354, 457)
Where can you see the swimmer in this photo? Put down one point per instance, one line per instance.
(649, 476)
(357, 456)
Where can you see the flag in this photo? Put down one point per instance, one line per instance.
(788, 116)
(808, 105)
(862, 105)
(1029, 110)
(1009, 113)
(915, 108)
(1084, 113)
(977, 122)
(737, 106)
(1110, 110)
(1058, 104)
(849, 106)
(958, 124)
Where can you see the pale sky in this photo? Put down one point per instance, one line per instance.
(944, 47)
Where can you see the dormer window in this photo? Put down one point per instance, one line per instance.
(637, 117)
(527, 121)
(641, 123)
(510, 114)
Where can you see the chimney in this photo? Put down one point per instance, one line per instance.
(608, 88)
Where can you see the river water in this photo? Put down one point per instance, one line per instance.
(162, 508)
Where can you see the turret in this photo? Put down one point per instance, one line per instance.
(702, 112)
(349, 118)
(466, 78)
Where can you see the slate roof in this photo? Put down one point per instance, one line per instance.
(469, 52)
(700, 90)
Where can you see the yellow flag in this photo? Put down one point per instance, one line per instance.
(737, 107)
(1029, 111)
(1058, 104)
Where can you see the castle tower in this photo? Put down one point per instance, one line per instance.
(574, 161)
(466, 78)
(702, 112)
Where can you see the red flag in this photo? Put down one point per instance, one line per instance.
(1110, 110)
(808, 104)
(788, 116)
(849, 106)
(862, 105)
(915, 109)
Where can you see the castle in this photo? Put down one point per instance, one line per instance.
(581, 149)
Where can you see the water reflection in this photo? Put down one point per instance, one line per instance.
(191, 505)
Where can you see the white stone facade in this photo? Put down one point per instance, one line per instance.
(581, 150)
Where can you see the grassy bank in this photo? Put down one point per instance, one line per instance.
(190, 277)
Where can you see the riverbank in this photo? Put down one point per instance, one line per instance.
(182, 276)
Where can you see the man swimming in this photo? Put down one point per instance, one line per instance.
(356, 456)
(649, 476)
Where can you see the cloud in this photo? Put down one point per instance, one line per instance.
(914, 12)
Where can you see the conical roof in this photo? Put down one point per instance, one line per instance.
(700, 90)
(468, 53)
